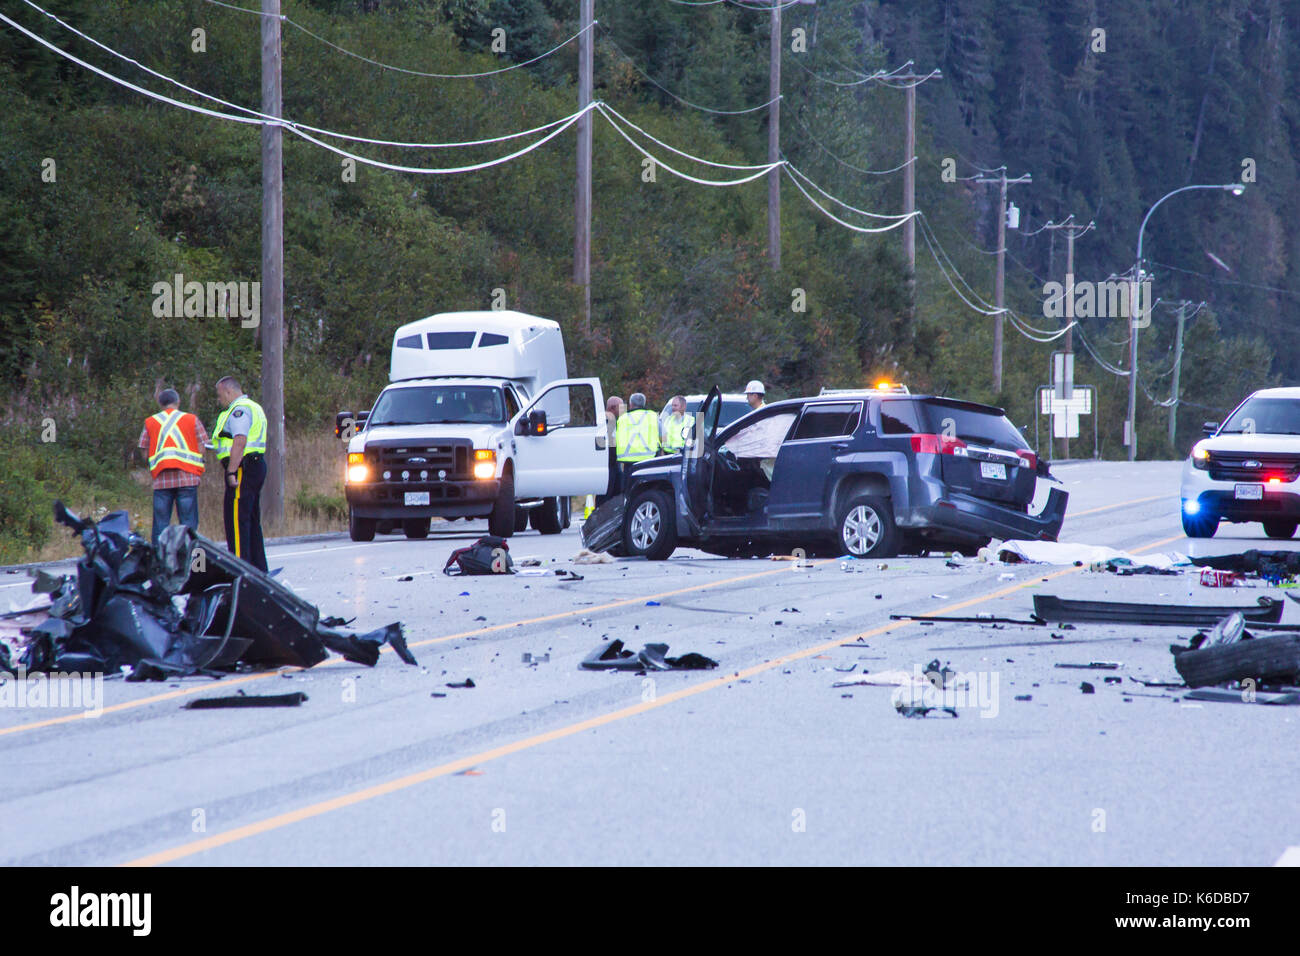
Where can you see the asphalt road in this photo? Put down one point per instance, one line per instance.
(762, 761)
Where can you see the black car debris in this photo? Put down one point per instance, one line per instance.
(870, 474)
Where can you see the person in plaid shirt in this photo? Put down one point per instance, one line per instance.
(173, 442)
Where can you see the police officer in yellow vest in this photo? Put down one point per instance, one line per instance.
(636, 437)
(241, 448)
(674, 427)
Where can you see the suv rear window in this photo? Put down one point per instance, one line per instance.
(827, 421)
(1269, 416)
(899, 418)
(970, 423)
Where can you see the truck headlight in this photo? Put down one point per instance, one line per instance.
(485, 463)
(358, 473)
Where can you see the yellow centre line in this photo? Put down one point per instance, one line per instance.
(527, 743)
(1122, 504)
(235, 681)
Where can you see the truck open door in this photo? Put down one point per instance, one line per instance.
(560, 441)
(697, 466)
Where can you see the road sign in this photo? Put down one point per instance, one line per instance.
(1065, 412)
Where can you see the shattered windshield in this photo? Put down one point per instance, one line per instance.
(439, 405)
(1268, 416)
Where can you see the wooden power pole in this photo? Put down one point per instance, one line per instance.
(271, 321)
(582, 193)
(1000, 280)
(909, 193)
(774, 142)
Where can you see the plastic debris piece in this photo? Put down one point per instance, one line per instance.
(248, 700)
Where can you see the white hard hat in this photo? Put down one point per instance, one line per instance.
(755, 386)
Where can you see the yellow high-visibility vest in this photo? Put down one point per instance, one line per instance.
(636, 436)
(673, 440)
(256, 444)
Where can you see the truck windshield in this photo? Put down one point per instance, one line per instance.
(439, 405)
(1268, 416)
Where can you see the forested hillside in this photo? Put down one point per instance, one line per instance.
(683, 297)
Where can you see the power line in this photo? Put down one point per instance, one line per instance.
(605, 108)
(857, 169)
(680, 99)
(401, 69)
(605, 111)
(1213, 278)
(840, 202)
(266, 118)
(297, 131)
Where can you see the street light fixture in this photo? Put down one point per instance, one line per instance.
(1236, 189)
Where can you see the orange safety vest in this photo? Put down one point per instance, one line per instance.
(174, 442)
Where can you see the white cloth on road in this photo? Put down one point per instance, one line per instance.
(1060, 552)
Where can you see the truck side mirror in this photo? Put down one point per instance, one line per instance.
(1209, 428)
(362, 418)
(537, 422)
(342, 420)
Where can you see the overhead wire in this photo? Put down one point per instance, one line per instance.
(400, 69)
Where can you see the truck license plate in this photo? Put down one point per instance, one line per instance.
(993, 469)
(417, 497)
(1249, 492)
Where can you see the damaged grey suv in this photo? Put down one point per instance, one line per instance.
(865, 473)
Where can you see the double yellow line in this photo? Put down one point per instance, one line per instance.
(527, 743)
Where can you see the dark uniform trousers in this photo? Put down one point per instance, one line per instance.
(242, 511)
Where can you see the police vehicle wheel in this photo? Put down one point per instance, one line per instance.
(547, 518)
(416, 527)
(867, 528)
(1280, 528)
(1200, 526)
(501, 522)
(650, 528)
(360, 529)
(521, 519)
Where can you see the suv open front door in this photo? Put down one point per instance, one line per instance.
(697, 466)
(569, 456)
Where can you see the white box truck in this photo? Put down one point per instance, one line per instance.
(479, 421)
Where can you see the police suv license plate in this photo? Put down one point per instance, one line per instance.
(417, 497)
(1249, 492)
(993, 469)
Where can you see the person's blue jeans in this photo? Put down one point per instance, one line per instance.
(186, 501)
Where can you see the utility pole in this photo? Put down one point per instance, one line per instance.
(1000, 281)
(909, 193)
(582, 193)
(774, 142)
(1072, 231)
(1178, 369)
(271, 321)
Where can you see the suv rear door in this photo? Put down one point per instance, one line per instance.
(571, 458)
(804, 466)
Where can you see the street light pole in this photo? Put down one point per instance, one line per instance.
(1130, 424)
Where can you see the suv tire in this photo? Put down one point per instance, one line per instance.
(501, 522)
(866, 528)
(360, 529)
(546, 518)
(1201, 525)
(415, 528)
(521, 518)
(650, 528)
(1280, 528)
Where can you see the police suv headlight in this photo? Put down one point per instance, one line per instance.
(1200, 457)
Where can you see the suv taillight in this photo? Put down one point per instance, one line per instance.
(938, 445)
(1029, 459)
